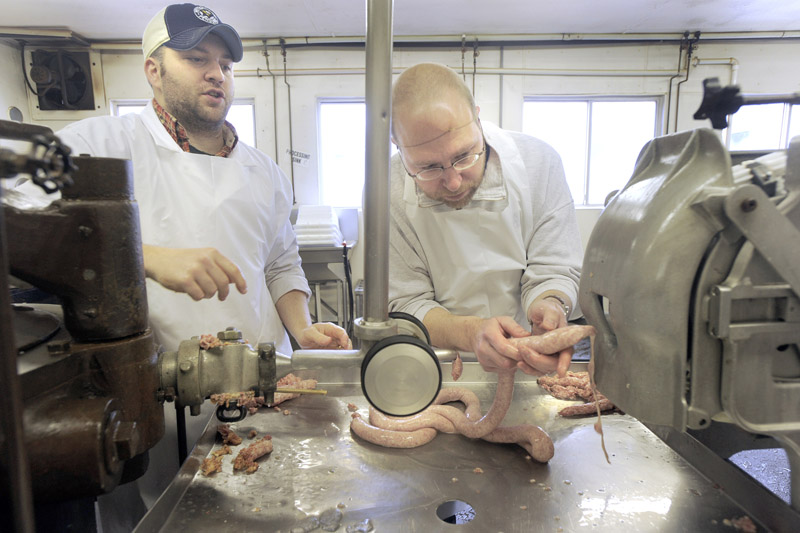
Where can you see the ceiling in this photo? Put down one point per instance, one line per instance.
(104, 20)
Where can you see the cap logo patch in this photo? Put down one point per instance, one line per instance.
(206, 15)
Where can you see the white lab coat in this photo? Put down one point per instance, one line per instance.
(516, 239)
(239, 205)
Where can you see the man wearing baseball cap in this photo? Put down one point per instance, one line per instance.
(214, 212)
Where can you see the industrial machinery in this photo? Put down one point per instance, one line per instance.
(89, 390)
(85, 400)
(691, 278)
(91, 379)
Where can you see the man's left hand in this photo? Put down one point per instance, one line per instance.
(546, 314)
(324, 335)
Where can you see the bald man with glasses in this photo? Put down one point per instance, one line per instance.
(483, 234)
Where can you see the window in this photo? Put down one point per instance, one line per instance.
(241, 115)
(342, 127)
(342, 134)
(598, 139)
(763, 127)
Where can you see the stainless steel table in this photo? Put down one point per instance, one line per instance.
(317, 466)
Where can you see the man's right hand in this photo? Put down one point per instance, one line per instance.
(199, 272)
(490, 343)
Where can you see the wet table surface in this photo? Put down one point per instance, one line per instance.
(317, 466)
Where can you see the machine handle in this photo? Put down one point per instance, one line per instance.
(240, 411)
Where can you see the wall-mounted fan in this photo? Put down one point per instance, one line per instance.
(63, 80)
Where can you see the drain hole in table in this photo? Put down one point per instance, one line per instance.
(455, 512)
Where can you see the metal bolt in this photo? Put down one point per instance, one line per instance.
(230, 334)
(185, 366)
(85, 231)
(749, 205)
(166, 395)
(89, 274)
(126, 440)
(266, 350)
(90, 313)
(58, 347)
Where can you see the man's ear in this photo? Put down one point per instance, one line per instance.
(152, 72)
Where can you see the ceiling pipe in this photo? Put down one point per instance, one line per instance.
(541, 38)
(433, 41)
(730, 61)
(343, 71)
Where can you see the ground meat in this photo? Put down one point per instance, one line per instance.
(743, 523)
(252, 434)
(228, 435)
(248, 400)
(208, 341)
(293, 382)
(225, 450)
(575, 386)
(211, 465)
(243, 399)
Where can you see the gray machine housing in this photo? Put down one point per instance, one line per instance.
(691, 277)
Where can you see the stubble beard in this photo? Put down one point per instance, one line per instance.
(462, 202)
(187, 109)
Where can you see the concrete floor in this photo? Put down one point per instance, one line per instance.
(770, 467)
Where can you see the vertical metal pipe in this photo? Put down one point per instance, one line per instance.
(376, 182)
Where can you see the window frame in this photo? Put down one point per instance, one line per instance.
(658, 126)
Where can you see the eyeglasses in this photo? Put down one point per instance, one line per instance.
(461, 164)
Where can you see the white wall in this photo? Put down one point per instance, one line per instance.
(12, 93)
(763, 67)
(12, 86)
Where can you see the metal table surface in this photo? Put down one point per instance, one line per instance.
(318, 466)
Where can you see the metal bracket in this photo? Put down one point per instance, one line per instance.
(721, 302)
(773, 235)
(267, 372)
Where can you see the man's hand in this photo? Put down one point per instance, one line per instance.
(546, 314)
(538, 364)
(491, 346)
(199, 272)
(324, 335)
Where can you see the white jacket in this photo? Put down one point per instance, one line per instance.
(239, 205)
(517, 238)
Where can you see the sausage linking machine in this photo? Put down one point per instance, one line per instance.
(692, 278)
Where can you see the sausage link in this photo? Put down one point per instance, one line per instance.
(458, 367)
(409, 432)
(390, 438)
(554, 341)
(533, 438)
(603, 403)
